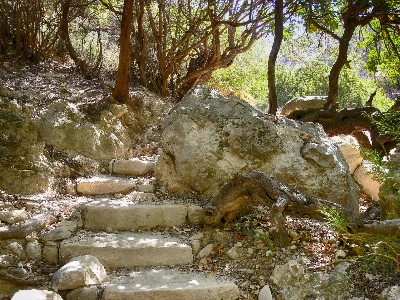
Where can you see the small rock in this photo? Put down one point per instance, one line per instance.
(36, 295)
(265, 293)
(63, 231)
(80, 271)
(50, 252)
(71, 187)
(340, 254)
(34, 250)
(206, 251)
(203, 261)
(14, 216)
(16, 249)
(234, 252)
(250, 250)
(195, 246)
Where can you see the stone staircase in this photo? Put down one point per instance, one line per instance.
(123, 235)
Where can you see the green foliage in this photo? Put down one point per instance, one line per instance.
(299, 72)
(388, 124)
(379, 165)
(383, 56)
(381, 253)
(336, 219)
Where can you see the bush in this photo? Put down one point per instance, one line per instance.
(248, 75)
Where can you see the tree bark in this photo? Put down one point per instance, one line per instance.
(64, 27)
(349, 121)
(272, 97)
(121, 89)
(341, 61)
(246, 190)
(22, 229)
(387, 227)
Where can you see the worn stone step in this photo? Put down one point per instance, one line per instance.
(124, 215)
(131, 167)
(127, 249)
(101, 185)
(162, 284)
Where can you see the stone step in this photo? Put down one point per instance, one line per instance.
(119, 215)
(101, 185)
(127, 249)
(131, 167)
(162, 284)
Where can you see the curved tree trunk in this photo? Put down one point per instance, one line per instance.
(121, 89)
(64, 26)
(337, 67)
(272, 97)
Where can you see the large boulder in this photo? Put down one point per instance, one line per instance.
(389, 191)
(64, 127)
(303, 103)
(208, 138)
(23, 167)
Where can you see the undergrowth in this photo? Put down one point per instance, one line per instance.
(378, 254)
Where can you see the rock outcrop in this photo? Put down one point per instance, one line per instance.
(208, 138)
(64, 127)
(23, 167)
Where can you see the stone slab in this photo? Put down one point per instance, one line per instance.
(170, 284)
(127, 250)
(102, 185)
(124, 215)
(133, 167)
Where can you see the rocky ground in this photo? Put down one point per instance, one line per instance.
(243, 250)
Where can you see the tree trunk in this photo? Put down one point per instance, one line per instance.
(337, 67)
(272, 97)
(64, 27)
(121, 89)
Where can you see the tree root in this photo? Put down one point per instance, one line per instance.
(22, 229)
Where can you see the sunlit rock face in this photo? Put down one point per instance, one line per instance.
(23, 167)
(208, 138)
(64, 127)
